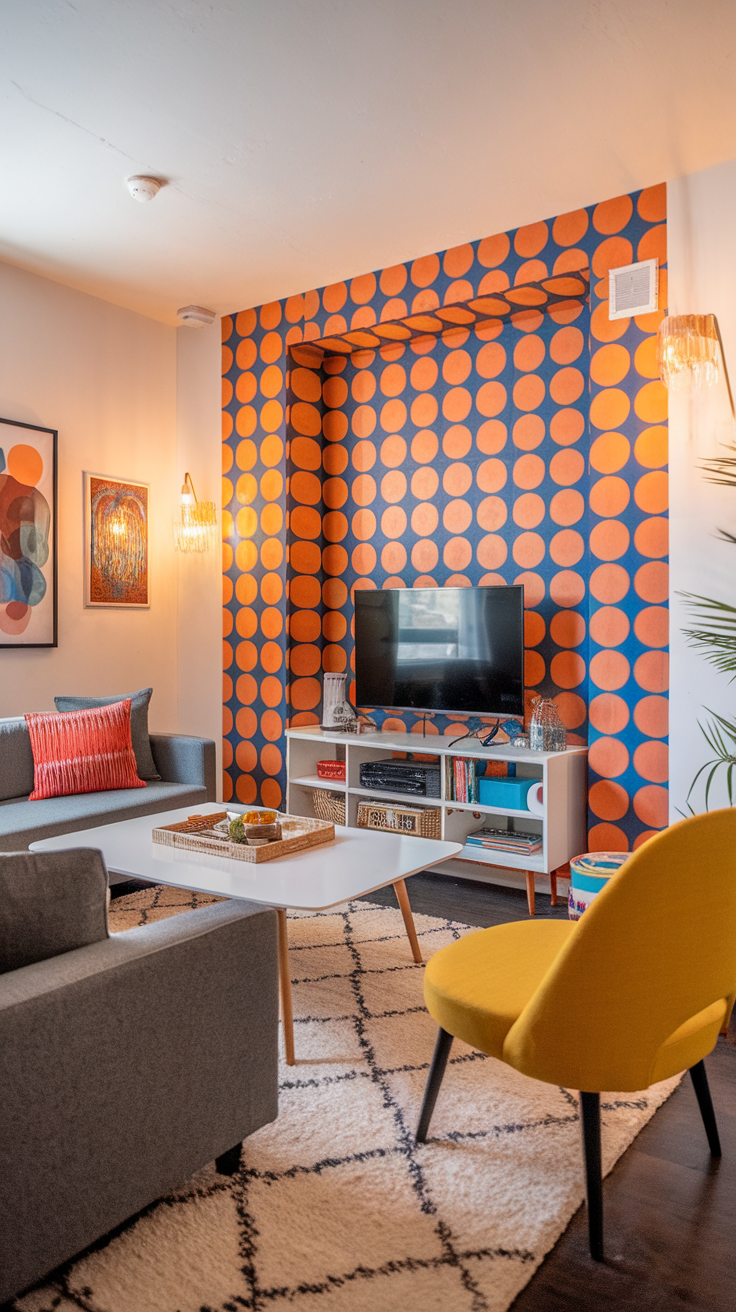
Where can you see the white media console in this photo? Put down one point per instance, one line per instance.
(563, 824)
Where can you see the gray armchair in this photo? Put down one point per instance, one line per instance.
(126, 1062)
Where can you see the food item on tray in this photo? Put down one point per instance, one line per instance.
(242, 830)
(236, 830)
(259, 817)
(269, 833)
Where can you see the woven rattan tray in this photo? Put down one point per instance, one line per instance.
(197, 835)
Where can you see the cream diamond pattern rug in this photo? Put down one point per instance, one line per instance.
(336, 1209)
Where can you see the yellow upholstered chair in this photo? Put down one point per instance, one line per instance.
(635, 991)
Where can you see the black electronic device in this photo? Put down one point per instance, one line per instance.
(448, 650)
(417, 778)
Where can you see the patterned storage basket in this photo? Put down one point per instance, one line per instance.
(423, 822)
(588, 875)
(329, 806)
(331, 770)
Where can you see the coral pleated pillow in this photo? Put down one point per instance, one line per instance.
(82, 751)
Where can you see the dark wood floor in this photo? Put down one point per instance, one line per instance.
(670, 1211)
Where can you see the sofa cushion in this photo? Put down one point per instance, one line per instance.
(82, 752)
(50, 902)
(23, 822)
(16, 759)
(138, 724)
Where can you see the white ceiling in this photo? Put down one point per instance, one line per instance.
(305, 141)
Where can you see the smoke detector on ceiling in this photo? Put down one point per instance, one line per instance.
(143, 189)
(633, 289)
(195, 316)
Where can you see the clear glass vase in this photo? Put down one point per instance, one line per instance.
(547, 732)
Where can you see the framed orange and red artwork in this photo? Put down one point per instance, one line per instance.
(28, 606)
(116, 542)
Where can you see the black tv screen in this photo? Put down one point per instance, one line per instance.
(450, 650)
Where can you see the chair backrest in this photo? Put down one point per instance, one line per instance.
(657, 946)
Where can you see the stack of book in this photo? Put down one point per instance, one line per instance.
(461, 784)
(462, 774)
(505, 840)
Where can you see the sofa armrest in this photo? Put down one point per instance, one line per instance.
(125, 1066)
(181, 759)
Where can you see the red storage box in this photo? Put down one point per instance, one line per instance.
(331, 770)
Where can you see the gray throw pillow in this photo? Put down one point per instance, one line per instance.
(138, 723)
(50, 902)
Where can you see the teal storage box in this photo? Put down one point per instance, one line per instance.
(506, 793)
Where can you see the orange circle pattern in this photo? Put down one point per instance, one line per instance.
(491, 455)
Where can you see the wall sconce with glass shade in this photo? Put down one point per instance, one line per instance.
(195, 529)
(690, 349)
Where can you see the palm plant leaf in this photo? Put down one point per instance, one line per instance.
(720, 736)
(716, 631)
(721, 469)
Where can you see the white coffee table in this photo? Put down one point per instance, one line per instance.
(359, 861)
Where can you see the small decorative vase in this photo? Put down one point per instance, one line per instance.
(547, 732)
(337, 713)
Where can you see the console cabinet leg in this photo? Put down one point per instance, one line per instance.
(530, 890)
(553, 887)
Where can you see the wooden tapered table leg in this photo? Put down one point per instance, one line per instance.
(403, 899)
(530, 890)
(287, 1017)
(553, 887)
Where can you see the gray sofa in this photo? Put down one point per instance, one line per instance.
(186, 766)
(126, 1064)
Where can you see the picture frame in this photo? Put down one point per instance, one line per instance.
(117, 542)
(28, 535)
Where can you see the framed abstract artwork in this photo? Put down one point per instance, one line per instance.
(28, 606)
(116, 542)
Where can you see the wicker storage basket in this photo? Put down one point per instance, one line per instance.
(329, 806)
(424, 822)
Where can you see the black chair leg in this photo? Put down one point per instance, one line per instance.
(705, 1103)
(590, 1118)
(434, 1080)
(229, 1163)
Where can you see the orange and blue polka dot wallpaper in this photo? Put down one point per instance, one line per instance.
(529, 450)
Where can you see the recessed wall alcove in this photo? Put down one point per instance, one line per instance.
(429, 466)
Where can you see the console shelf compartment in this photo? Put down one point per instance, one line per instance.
(407, 799)
(485, 809)
(510, 861)
(314, 781)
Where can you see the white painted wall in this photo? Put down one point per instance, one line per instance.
(106, 378)
(702, 264)
(199, 577)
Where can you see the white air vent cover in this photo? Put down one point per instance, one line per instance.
(633, 289)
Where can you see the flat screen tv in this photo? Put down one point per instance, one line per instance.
(449, 650)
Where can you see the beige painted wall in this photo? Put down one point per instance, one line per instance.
(199, 439)
(702, 264)
(106, 378)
